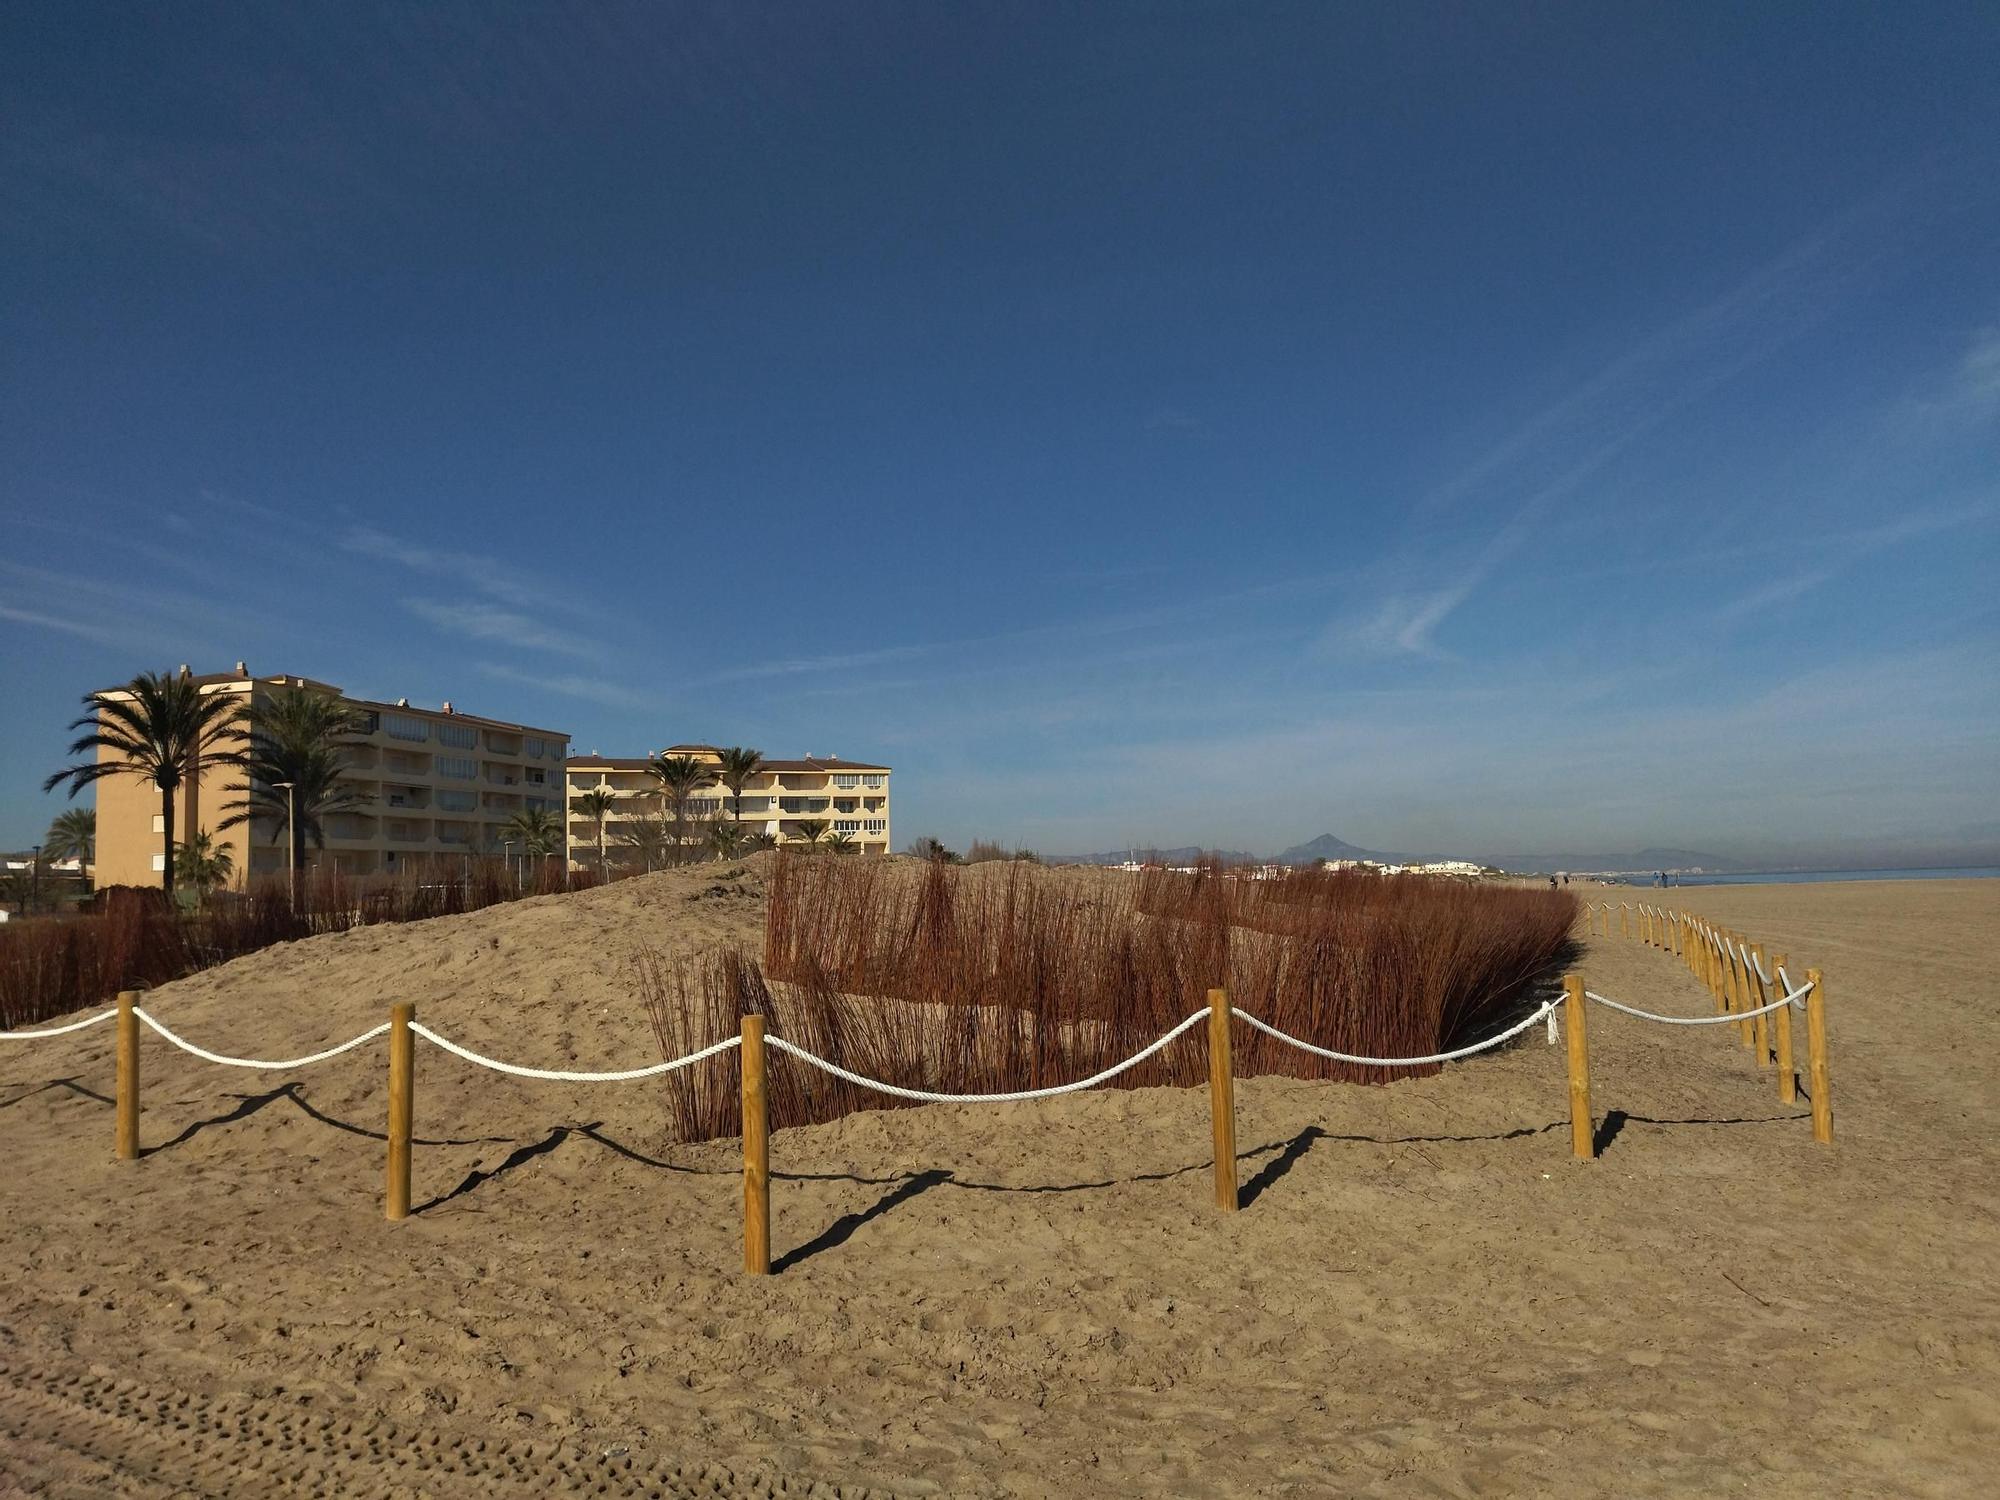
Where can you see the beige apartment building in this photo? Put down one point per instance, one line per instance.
(439, 786)
(849, 797)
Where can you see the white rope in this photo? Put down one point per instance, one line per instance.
(1758, 964)
(1785, 983)
(259, 1063)
(925, 1097)
(1546, 1011)
(1724, 1019)
(31, 1036)
(565, 1075)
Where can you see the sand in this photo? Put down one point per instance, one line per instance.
(1423, 1296)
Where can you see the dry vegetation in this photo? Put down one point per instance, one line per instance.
(1000, 978)
(50, 966)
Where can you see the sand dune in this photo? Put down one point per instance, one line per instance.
(1423, 1296)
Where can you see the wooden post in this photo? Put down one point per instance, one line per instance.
(1222, 1100)
(402, 1107)
(128, 1075)
(1727, 975)
(1788, 1081)
(1822, 1096)
(1762, 1022)
(756, 1153)
(1624, 920)
(1582, 1134)
(1746, 1029)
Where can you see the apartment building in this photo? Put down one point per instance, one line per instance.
(849, 797)
(439, 785)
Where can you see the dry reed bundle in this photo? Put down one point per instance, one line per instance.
(989, 980)
(50, 966)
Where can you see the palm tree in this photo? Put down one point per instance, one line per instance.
(728, 840)
(843, 843)
(680, 777)
(597, 804)
(202, 865)
(536, 829)
(296, 767)
(811, 831)
(738, 766)
(73, 835)
(160, 727)
(646, 835)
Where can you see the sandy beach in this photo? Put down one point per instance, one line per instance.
(1424, 1295)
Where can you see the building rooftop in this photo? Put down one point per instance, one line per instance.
(447, 711)
(627, 763)
(243, 675)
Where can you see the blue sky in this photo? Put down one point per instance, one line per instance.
(1460, 428)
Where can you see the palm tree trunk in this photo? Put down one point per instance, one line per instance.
(600, 851)
(167, 828)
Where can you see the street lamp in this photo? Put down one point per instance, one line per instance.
(291, 843)
(35, 879)
(507, 854)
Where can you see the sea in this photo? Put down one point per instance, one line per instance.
(1814, 877)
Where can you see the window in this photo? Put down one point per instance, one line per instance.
(159, 862)
(534, 747)
(537, 776)
(457, 801)
(847, 825)
(456, 767)
(756, 804)
(159, 824)
(873, 780)
(406, 727)
(847, 783)
(876, 825)
(464, 736)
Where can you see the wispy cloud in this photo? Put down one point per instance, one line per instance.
(1768, 598)
(1969, 395)
(493, 622)
(574, 685)
(483, 574)
(1551, 455)
(83, 630)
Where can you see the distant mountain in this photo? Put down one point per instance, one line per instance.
(1326, 846)
(1330, 846)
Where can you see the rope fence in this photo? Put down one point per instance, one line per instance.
(1739, 977)
(1736, 971)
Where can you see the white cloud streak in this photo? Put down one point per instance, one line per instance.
(491, 622)
(587, 689)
